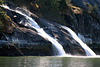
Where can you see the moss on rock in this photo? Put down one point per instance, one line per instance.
(1, 1)
(48, 9)
(5, 22)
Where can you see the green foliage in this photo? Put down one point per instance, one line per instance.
(1, 1)
(92, 9)
(3, 16)
(50, 9)
(63, 5)
(68, 2)
(95, 9)
(1, 25)
(4, 21)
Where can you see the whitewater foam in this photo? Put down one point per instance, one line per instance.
(88, 51)
(31, 23)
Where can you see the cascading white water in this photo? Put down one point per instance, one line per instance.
(31, 23)
(88, 51)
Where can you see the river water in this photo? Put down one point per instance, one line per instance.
(49, 61)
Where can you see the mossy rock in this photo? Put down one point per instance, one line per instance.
(5, 22)
(48, 9)
(1, 1)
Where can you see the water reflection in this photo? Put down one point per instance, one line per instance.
(79, 63)
(48, 62)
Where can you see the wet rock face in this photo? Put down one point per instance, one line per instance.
(26, 41)
(23, 40)
(26, 50)
(62, 36)
(86, 24)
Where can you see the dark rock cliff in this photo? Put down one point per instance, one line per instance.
(87, 23)
(26, 41)
(81, 16)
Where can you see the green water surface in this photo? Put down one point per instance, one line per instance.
(49, 61)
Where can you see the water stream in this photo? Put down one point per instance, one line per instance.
(88, 51)
(31, 23)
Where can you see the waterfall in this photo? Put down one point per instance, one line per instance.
(31, 23)
(87, 50)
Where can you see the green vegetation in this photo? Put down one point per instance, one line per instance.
(52, 10)
(56, 9)
(63, 5)
(92, 9)
(49, 9)
(1, 1)
(5, 20)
